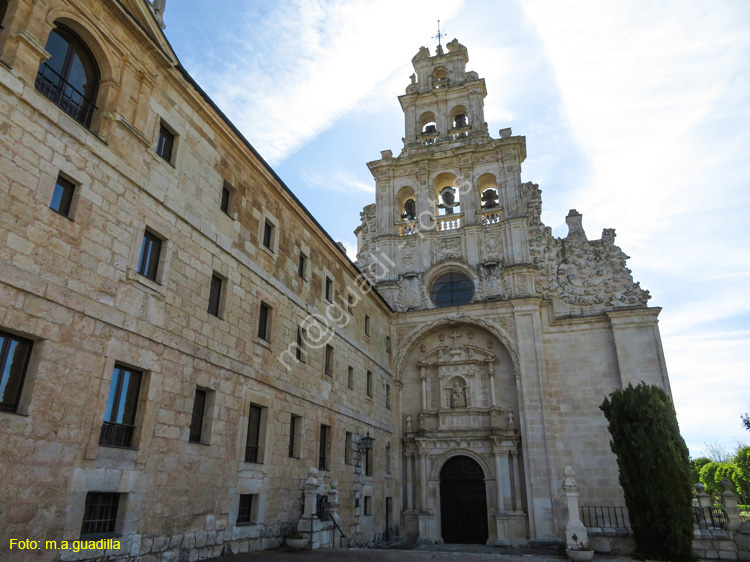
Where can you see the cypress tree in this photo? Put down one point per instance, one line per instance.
(654, 471)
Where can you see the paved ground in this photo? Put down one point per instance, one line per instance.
(441, 553)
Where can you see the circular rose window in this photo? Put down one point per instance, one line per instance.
(452, 289)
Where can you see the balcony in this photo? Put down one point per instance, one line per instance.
(407, 228)
(116, 434)
(66, 97)
(449, 222)
(492, 215)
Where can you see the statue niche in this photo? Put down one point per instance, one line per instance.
(458, 394)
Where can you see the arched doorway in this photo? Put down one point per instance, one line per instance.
(463, 502)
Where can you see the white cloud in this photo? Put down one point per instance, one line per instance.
(340, 181)
(309, 62)
(656, 95)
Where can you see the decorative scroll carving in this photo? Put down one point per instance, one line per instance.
(448, 248)
(367, 234)
(410, 292)
(575, 270)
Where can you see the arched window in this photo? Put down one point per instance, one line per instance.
(452, 289)
(70, 77)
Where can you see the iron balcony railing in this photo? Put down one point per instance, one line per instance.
(64, 95)
(251, 453)
(116, 434)
(605, 517)
(710, 517)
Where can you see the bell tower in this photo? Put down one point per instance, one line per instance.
(450, 181)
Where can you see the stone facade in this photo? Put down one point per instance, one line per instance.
(75, 290)
(157, 275)
(529, 332)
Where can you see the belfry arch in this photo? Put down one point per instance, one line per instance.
(459, 398)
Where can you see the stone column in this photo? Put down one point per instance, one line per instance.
(309, 523)
(704, 500)
(499, 475)
(517, 503)
(574, 526)
(423, 481)
(729, 503)
(423, 378)
(491, 373)
(409, 481)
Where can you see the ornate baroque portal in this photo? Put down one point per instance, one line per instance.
(460, 402)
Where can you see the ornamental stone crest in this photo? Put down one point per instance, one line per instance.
(576, 270)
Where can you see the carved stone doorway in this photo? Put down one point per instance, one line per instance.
(463, 502)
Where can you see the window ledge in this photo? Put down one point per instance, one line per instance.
(14, 413)
(154, 286)
(199, 443)
(268, 250)
(263, 343)
(121, 447)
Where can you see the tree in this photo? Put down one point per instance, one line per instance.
(695, 469)
(746, 421)
(742, 462)
(708, 477)
(654, 471)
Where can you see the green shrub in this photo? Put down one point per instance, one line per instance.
(654, 471)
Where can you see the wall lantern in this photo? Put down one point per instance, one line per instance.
(367, 442)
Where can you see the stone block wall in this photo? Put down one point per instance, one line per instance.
(71, 285)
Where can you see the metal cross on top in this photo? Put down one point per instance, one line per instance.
(439, 35)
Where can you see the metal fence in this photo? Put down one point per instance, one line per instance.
(605, 516)
(710, 517)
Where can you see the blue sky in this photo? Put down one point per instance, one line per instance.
(636, 113)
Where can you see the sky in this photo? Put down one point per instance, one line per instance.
(636, 113)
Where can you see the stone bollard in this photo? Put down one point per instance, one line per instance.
(333, 510)
(574, 526)
(729, 503)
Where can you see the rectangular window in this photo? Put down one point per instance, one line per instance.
(348, 449)
(301, 268)
(388, 396)
(245, 511)
(214, 297)
(350, 304)
(368, 383)
(368, 463)
(148, 264)
(119, 416)
(324, 447)
(329, 360)
(100, 514)
(367, 325)
(165, 143)
(350, 378)
(295, 431)
(368, 505)
(268, 231)
(62, 197)
(388, 344)
(252, 449)
(199, 411)
(264, 322)
(388, 459)
(14, 360)
(226, 194)
(329, 289)
(301, 334)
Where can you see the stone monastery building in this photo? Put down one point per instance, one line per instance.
(190, 364)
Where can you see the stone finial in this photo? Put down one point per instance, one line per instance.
(385, 154)
(726, 485)
(505, 133)
(569, 472)
(574, 220)
(334, 484)
(312, 476)
(700, 488)
(159, 7)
